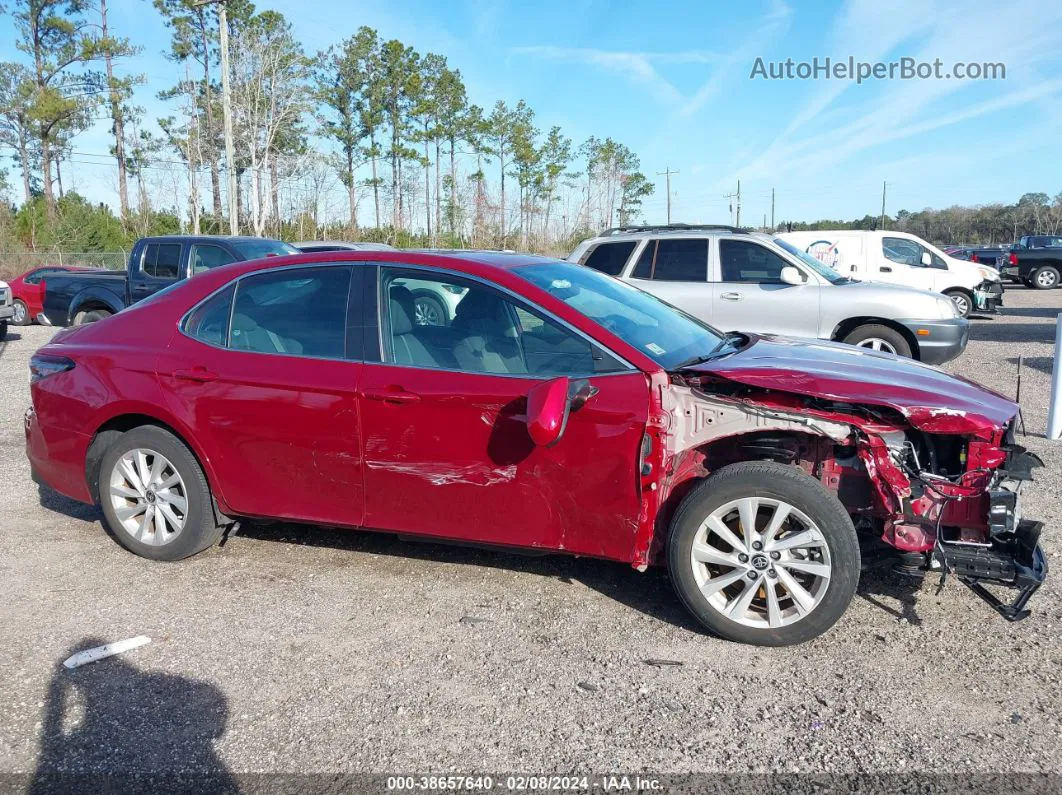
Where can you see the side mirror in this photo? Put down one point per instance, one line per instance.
(927, 258)
(791, 275)
(550, 403)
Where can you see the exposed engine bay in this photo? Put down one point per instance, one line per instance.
(941, 487)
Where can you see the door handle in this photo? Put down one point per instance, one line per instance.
(885, 269)
(392, 394)
(731, 296)
(198, 374)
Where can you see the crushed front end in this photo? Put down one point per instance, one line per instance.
(953, 505)
(925, 461)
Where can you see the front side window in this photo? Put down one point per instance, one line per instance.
(479, 330)
(902, 250)
(256, 249)
(205, 257)
(667, 335)
(610, 257)
(296, 312)
(751, 263)
(41, 273)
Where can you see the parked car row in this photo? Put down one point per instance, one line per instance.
(739, 280)
(555, 408)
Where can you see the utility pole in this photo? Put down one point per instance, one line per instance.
(226, 111)
(737, 196)
(772, 209)
(882, 222)
(666, 173)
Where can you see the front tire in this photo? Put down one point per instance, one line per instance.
(762, 553)
(92, 316)
(429, 310)
(879, 338)
(963, 301)
(155, 497)
(21, 316)
(1045, 278)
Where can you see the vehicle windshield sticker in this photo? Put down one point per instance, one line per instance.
(655, 348)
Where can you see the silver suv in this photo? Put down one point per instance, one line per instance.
(748, 281)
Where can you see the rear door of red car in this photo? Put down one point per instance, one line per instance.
(443, 421)
(266, 373)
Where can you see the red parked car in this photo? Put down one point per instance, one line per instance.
(27, 291)
(558, 409)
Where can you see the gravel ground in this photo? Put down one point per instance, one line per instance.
(300, 650)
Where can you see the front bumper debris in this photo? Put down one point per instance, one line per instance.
(988, 296)
(1014, 560)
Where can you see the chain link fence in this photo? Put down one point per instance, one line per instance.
(13, 263)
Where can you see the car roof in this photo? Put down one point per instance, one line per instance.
(347, 244)
(208, 238)
(627, 233)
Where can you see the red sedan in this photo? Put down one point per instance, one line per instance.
(27, 291)
(558, 409)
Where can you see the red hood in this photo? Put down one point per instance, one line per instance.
(932, 400)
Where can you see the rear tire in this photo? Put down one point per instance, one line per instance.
(429, 310)
(169, 477)
(21, 316)
(963, 301)
(811, 556)
(879, 338)
(1045, 278)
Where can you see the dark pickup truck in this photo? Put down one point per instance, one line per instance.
(1035, 262)
(71, 299)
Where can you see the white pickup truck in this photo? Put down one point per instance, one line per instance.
(902, 258)
(7, 308)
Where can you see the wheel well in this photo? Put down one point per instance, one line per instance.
(91, 305)
(108, 433)
(846, 327)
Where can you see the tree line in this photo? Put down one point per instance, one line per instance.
(368, 139)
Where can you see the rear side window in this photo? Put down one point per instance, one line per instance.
(682, 260)
(296, 312)
(161, 260)
(610, 257)
(209, 321)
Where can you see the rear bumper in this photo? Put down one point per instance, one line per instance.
(939, 341)
(57, 457)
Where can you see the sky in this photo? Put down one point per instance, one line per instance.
(672, 82)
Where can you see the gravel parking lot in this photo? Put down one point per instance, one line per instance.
(303, 650)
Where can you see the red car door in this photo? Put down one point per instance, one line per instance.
(266, 374)
(447, 451)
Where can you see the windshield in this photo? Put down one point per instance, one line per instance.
(256, 249)
(826, 272)
(665, 334)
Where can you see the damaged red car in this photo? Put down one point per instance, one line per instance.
(556, 408)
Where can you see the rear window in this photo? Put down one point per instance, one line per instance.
(161, 260)
(610, 257)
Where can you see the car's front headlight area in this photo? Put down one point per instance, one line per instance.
(947, 308)
(988, 274)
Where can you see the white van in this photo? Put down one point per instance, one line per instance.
(902, 258)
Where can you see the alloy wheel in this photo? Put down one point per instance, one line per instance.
(761, 562)
(877, 344)
(962, 303)
(426, 313)
(1045, 278)
(149, 497)
(19, 318)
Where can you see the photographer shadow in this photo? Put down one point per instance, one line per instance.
(110, 727)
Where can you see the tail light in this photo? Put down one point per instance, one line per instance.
(1012, 258)
(973, 258)
(644, 467)
(43, 365)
